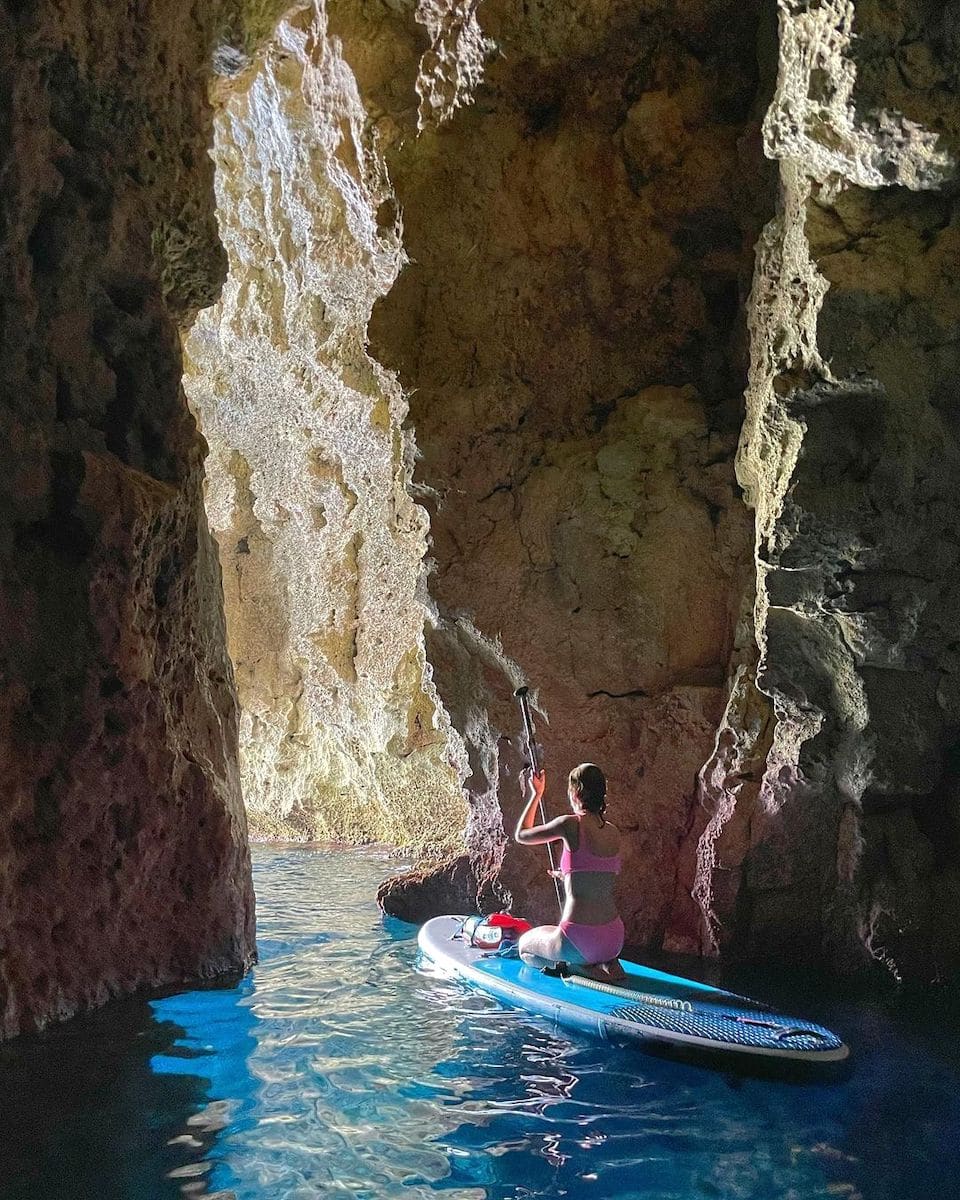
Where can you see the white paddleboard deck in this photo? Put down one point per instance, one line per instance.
(651, 1006)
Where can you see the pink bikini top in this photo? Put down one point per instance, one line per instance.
(582, 860)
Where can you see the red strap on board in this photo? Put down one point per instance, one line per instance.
(508, 921)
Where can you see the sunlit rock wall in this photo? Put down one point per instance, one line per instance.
(580, 237)
(320, 541)
(123, 858)
(845, 844)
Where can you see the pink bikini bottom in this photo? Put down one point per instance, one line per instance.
(597, 943)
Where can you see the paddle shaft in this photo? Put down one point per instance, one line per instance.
(522, 694)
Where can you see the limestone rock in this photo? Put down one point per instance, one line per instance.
(570, 328)
(709, 875)
(123, 856)
(449, 887)
(849, 453)
(321, 544)
(452, 67)
(831, 829)
(546, 489)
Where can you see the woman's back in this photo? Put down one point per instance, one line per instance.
(595, 837)
(590, 933)
(590, 870)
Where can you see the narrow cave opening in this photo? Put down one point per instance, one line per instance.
(342, 735)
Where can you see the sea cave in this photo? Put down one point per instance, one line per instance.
(362, 361)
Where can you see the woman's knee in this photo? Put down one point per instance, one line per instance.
(541, 945)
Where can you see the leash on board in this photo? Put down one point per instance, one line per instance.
(523, 695)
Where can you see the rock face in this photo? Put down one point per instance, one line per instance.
(569, 324)
(850, 455)
(581, 241)
(577, 191)
(321, 544)
(123, 859)
(570, 328)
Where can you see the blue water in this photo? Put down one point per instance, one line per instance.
(336, 1069)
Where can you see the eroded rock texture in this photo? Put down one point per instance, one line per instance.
(320, 541)
(581, 241)
(579, 237)
(123, 857)
(578, 189)
(850, 455)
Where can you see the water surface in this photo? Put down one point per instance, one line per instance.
(336, 1069)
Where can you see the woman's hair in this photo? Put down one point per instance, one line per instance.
(591, 786)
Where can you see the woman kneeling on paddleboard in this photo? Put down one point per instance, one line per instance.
(589, 937)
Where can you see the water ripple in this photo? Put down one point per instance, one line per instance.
(336, 1069)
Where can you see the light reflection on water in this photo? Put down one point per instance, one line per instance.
(335, 1069)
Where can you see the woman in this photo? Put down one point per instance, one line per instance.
(589, 937)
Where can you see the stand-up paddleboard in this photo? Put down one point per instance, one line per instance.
(650, 1006)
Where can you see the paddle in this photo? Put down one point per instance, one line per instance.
(522, 694)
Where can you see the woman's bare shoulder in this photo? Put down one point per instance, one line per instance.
(569, 824)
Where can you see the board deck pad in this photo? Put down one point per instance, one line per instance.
(650, 1006)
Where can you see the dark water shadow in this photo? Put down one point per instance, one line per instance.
(128, 1102)
(83, 1113)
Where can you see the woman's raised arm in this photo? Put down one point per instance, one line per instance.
(528, 832)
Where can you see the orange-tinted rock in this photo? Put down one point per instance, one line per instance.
(123, 859)
(578, 239)
(570, 327)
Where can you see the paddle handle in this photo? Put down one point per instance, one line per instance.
(522, 694)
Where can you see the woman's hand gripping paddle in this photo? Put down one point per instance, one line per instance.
(523, 695)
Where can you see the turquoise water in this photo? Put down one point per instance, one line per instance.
(336, 1069)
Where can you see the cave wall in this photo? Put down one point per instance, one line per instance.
(556, 376)
(321, 543)
(844, 843)
(123, 859)
(570, 326)
(579, 234)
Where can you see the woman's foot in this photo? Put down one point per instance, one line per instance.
(606, 972)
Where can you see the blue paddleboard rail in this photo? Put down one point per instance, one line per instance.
(653, 1006)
